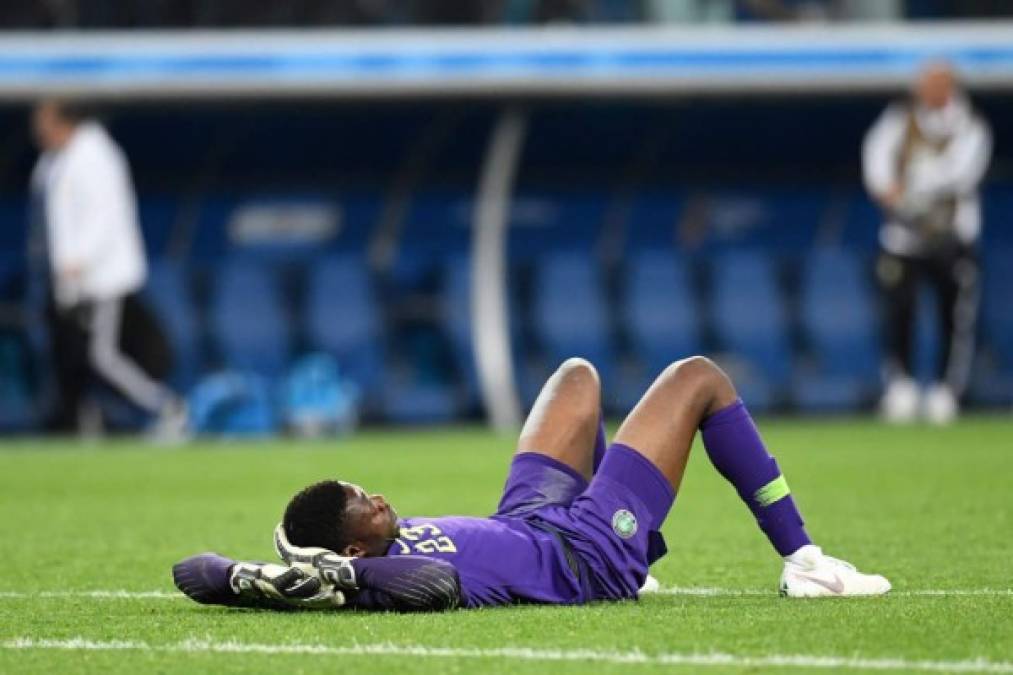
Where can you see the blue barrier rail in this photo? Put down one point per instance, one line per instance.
(495, 62)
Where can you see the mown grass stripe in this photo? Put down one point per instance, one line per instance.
(95, 595)
(697, 660)
(756, 592)
(702, 591)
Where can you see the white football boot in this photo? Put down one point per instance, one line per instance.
(810, 574)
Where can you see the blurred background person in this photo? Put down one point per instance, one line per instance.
(923, 161)
(97, 323)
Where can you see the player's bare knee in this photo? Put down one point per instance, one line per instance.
(579, 379)
(696, 376)
(691, 369)
(579, 368)
(580, 376)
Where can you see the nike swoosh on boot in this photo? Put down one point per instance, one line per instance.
(835, 586)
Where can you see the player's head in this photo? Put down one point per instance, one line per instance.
(936, 85)
(340, 517)
(54, 121)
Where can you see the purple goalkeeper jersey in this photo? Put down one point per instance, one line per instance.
(554, 538)
(499, 560)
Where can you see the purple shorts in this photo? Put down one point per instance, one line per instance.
(611, 524)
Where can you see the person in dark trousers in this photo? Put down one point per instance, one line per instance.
(923, 161)
(98, 324)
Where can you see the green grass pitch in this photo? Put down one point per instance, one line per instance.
(930, 508)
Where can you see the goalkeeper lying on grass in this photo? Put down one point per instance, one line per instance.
(577, 522)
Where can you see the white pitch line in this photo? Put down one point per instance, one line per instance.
(699, 591)
(755, 592)
(95, 595)
(698, 660)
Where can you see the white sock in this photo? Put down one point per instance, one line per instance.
(804, 554)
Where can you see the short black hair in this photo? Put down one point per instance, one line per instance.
(316, 517)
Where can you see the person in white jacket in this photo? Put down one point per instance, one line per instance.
(923, 161)
(97, 267)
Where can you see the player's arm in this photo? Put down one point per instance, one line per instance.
(212, 579)
(404, 584)
(388, 583)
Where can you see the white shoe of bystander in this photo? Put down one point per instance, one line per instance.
(940, 405)
(900, 401)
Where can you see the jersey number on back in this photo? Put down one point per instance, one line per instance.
(425, 539)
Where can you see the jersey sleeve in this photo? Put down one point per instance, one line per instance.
(880, 150)
(405, 584)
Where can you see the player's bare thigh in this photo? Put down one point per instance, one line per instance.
(563, 422)
(662, 424)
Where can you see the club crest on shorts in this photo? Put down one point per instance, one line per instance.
(624, 524)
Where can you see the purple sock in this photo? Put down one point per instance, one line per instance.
(600, 443)
(737, 452)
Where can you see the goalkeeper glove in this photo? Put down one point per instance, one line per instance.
(328, 567)
(270, 585)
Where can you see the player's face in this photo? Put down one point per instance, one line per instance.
(369, 519)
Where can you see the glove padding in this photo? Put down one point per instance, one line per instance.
(327, 566)
(288, 585)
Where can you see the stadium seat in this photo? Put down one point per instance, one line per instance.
(775, 219)
(234, 404)
(317, 399)
(13, 270)
(418, 387)
(544, 222)
(839, 321)
(437, 226)
(248, 319)
(997, 211)
(751, 325)
(661, 317)
(210, 238)
(14, 222)
(157, 214)
(406, 400)
(359, 211)
(419, 384)
(570, 314)
(456, 320)
(283, 225)
(342, 318)
(653, 222)
(996, 314)
(993, 381)
(861, 222)
(18, 385)
(168, 295)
